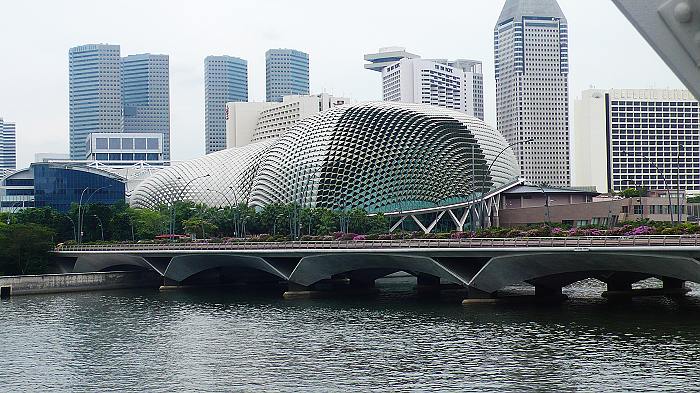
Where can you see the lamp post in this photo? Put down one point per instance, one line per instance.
(72, 223)
(678, 181)
(546, 203)
(179, 196)
(102, 229)
(81, 215)
(660, 173)
(12, 211)
(488, 170)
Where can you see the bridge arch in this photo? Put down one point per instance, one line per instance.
(563, 269)
(315, 268)
(100, 262)
(183, 267)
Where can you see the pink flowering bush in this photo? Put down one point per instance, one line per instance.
(359, 237)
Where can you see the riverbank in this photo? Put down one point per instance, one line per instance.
(76, 282)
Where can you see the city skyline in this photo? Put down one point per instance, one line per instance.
(337, 68)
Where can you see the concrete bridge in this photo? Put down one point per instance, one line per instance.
(482, 266)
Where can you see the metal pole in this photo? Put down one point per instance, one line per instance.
(668, 189)
(80, 226)
(102, 229)
(172, 204)
(546, 203)
(678, 181)
(81, 217)
(488, 170)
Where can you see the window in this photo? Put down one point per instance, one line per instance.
(153, 144)
(101, 143)
(140, 143)
(638, 209)
(115, 143)
(127, 143)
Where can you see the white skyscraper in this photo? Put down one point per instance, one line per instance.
(455, 84)
(8, 146)
(636, 138)
(532, 90)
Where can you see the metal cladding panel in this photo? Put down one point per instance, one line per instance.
(234, 168)
(384, 157)
(381, 156)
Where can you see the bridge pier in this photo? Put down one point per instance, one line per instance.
(672, 287)
(336, 286)
(427, 284)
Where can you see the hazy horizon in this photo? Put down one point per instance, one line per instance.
(605, 52)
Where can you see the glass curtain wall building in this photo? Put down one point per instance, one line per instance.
(286, 73)
(59, 186)
(95, 94)
(146, 96)
(8, 146)
(225, 80)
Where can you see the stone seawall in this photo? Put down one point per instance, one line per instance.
(76, 282)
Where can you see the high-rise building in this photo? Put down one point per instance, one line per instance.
(8, 145)
(225, 80)
(249, 122)
(95, 94)
(455, 84)
(636, 138)
(286, 73)
(532, 90)
(146, 96)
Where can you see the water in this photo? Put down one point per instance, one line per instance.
(144, 340)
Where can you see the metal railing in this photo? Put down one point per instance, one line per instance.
(486, 243)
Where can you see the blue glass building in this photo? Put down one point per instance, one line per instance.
(225, 80)
(286, 73)
(95, 97)
(146, 96)
(58, 186)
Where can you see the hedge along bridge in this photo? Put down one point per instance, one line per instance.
(482, 265)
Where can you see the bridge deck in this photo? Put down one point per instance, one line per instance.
(468, 243)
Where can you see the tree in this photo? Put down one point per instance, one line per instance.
(199, 226)
(24, 248)
(631, 193)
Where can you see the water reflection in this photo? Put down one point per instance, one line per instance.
(223, 341)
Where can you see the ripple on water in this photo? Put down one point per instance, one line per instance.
(145, 340)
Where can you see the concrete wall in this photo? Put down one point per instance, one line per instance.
(75, 282)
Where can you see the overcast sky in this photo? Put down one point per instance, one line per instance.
(605, 50)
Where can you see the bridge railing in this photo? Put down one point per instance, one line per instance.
(524, 242)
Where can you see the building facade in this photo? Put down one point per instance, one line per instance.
(248, 122)
(532, 89)
(146, 96)
(95, 94)
(225, 80)
(58, 186)
(378, 156)
(453, 84)
(126, 149)
(646, 138)
(286, 73)
(8, 145)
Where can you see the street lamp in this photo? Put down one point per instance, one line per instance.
(548, 217)
(102, 229)
(172, 204)
(82, 215)
(660, 173)
(678, 180)
(13, 210)
(72, 223)
(488, 170)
